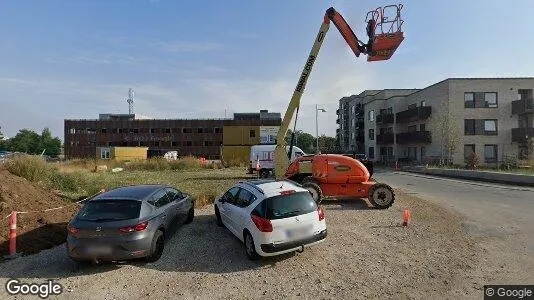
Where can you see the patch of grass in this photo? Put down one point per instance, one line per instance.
(203, 182)
(31, 167)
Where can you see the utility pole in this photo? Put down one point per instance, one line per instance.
(317, 109)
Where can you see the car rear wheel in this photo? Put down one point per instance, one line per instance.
(381, 196)
(218, 217)
(157, 247)
(250, 248)
(190, 215)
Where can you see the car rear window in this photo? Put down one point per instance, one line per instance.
(110, 210)
(290, 205)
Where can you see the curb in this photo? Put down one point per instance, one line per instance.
(525, 180)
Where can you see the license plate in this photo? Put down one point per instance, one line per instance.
(98, 250)
(298, 232)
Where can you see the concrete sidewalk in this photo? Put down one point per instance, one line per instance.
(485, 176)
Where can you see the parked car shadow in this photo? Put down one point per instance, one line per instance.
(346, 204)
(201, 246)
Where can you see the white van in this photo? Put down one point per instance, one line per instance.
(265, 155)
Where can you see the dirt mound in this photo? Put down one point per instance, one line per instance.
(37, 229)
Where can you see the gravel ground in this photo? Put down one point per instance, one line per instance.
(366, 255)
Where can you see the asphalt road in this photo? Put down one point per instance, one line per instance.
(502, 214)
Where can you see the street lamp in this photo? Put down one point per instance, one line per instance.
(317, 109)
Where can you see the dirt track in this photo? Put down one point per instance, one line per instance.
(367, 255)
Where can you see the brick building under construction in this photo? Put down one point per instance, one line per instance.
(198, 137)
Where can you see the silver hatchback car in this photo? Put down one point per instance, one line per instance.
(127, 222)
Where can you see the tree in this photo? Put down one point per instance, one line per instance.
(30, 142)
(52, 146)
(450, 135)
(327, 144)
(303, 140)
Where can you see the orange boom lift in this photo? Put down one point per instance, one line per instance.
(331, 175)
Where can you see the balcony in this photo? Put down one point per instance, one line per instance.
(385, 119)
(414, 137)
(522, 106)
(337, 111)
(521, 135)
(337, 121)
(414, 114)
(387, 138)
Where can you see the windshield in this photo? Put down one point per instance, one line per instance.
(285, 206)
(110, 210)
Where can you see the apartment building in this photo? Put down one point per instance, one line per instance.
(492, 117)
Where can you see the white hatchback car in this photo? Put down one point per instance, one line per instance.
(271, 217)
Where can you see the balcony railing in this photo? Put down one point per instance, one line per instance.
(414, 114)
(414, 137)
(385, 118)
(522, 106)
(387, 138)
(521, 135)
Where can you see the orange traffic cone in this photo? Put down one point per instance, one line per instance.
(406, 218)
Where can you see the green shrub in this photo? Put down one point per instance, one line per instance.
(509, 162)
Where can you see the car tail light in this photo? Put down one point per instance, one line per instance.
(72, 229)
(263, 225)
(139, 227)
(320, 211)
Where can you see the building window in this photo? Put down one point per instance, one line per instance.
(371, 134)
(354, 109)
(156, 143)
(252, 133)
(218, 130)
(187, 130)
(469, 127)
(353, 123)
(104, 153)
(208, 143)
(200, 130)
(469, 150)
(423, 103)
(412, 128)
(152, 130)
(352, 135)
(173, 144)
(371, 116)
(490, 153)
(372, 152)
(490, 100)
(480, 100)
(469, 100)
(490, 127)
(412, 106)
(422, 127)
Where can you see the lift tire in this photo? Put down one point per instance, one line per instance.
(315, 190)
(381, 196)
(307, 179)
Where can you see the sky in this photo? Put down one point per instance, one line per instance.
(75, 59)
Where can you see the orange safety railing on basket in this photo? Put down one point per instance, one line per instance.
(387, 31)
